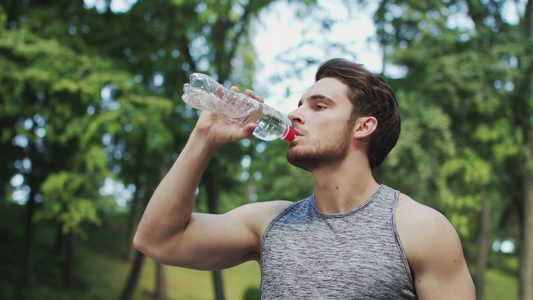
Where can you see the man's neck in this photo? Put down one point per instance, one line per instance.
(343, 187)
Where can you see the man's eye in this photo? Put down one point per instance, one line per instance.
(319, 107)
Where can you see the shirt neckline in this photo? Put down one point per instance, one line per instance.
(349, 212)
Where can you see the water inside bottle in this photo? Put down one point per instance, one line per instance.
(269, 127)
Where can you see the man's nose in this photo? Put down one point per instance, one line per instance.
(295, 116)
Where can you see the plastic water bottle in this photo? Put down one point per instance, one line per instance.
(204, 92)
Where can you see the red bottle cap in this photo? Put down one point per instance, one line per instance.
(289, 136)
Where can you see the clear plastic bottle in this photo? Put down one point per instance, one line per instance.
(204, 92)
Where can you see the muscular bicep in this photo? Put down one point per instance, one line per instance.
(440, 270)
(212, 242)
(435, 254)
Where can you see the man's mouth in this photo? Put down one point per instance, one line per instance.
(297, 134)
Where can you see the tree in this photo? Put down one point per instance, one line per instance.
(48, 89)
(54, 91)
(476, 75)
(525, 95)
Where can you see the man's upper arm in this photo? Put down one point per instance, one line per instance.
(435, 255)
(212, 242)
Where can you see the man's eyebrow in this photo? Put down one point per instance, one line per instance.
(317, 97)
(314, 98)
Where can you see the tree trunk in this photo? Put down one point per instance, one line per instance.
(135, 209)
(131, 284)
(212, 185)
(218, 284)
(161, 282)
(28, 240)
(160, 275)
(59, 245)
(68, 267)
(133, 222)
(484, 245)
(526, 270)
(132, 227)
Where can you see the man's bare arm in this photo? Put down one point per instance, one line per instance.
(170, 233)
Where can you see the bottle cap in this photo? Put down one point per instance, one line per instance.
(289, 136)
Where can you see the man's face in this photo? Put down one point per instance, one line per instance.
(324, 129)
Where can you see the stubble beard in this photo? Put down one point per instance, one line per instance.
(325, 153)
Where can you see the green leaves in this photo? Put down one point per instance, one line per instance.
(64, 201)
(468, 167)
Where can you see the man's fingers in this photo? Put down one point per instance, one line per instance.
(250, 93)
(259, 98)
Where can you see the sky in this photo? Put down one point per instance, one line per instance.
(278, 30)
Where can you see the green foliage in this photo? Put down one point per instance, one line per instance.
(414, 165)
(274, 177)
(65, 203)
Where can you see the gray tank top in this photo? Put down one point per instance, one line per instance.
(308, 254)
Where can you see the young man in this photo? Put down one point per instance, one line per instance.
(352, 239)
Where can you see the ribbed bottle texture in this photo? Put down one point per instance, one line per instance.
(204, 92)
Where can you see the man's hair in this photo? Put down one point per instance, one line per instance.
(371, 96)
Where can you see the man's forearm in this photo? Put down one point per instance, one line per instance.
(172, 203)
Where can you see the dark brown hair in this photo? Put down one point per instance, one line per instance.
(371, 96)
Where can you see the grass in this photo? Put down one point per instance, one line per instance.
(105, 248)
(501, 280)
(182, 283)
(196, 285)
(500, 286)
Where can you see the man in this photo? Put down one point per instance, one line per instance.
(352, 239)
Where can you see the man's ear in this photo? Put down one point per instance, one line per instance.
(364, 127)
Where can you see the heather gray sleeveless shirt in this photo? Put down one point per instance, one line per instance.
(307, 254)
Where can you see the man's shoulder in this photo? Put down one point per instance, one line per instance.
(257, 215)
(416, 213)
(265, 208)
(422, 229)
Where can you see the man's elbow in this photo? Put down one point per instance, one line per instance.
(139, 243)
(145, 245)
(151, 249)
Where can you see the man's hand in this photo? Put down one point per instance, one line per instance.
(217, 131)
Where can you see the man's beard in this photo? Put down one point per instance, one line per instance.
(324, 153)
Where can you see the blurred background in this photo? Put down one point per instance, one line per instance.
(91, 119)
